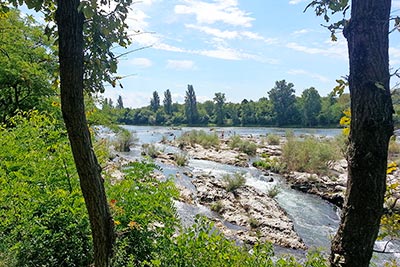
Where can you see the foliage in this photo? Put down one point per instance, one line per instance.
(245, 146)
(246, 113)
(167, 102)
(274, 191)
(273, 139)
(233, 182)
(27, 65)
(283, 101)
(309, 155)
(150, 150)
(181, 159)
(217, 206)
(200, 137)
(124, 139)
(219, 107)
(155, 102)
(143, 212)
(191, 112)
(43, 219)
(202, 246)
(311, 106)
(270, 164)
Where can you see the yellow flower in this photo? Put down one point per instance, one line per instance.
(117, 222)
(391, 167)
(133, 224)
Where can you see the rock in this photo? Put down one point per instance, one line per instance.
(259, 217)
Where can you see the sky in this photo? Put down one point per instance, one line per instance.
(236, 47)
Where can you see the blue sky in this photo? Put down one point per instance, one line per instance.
(237, 47)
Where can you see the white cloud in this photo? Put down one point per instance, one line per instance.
(180, 64)
(141, 62)
(226, 11)
(301, 32)
(395, 4)
(295, 2)
(222, 35)
(213, 31)
(302, 72)
(336, 49)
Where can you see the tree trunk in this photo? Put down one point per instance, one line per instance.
(370, 129)
(70, 31)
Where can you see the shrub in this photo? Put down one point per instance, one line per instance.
(245, 146)
(269, 164)
(253, 222)
(273, 139)
(181, 159)
(394, 148)
(150, 150)
(234, 182)
(309, 155)
(124, 140)
(43, 215)
(217, 206)
(274, 191)
(144, 214)
(199, 137)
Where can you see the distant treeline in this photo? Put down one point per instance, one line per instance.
(279, 108)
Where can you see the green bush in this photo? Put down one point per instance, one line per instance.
(245, 146)
(181, 159)
(143, 212)
(309, 155)
(217, 206)
(273, 139)
(274, 191)
(269, 164)
(150, 150)
(234, 182)
(200, 137)
(43, 220)
(124, 139)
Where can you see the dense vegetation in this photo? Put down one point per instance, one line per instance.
(281, 108)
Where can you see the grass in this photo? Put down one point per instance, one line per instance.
(232, 183)
(269, 164)
(199, 137)
(124, 139)
(150, 150)
(245, 146)
(181, 159)
(274, 191)
(217, 206)
(310, 154)
(273, 139)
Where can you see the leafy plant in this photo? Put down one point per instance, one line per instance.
(273, 139)
(217, 206)
(150, 150)
(181, 159)
(245, 146)
(274, 191)
(309, 155)
(124, 140)
(43, 219)
(234, 182)
(200, 137)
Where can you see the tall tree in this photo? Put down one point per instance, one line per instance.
(311, 106)
(219, 108)
(71, 46)
(120, 103)
(27, 65)
(370, 129)
(283, 101)
(167, 102)
(86, 63)
(155, 102)
(191, 112)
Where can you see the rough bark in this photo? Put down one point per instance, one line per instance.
(70, 30)
(370, 130)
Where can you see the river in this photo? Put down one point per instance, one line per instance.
(315, 220)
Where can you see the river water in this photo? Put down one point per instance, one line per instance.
(315, 220)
